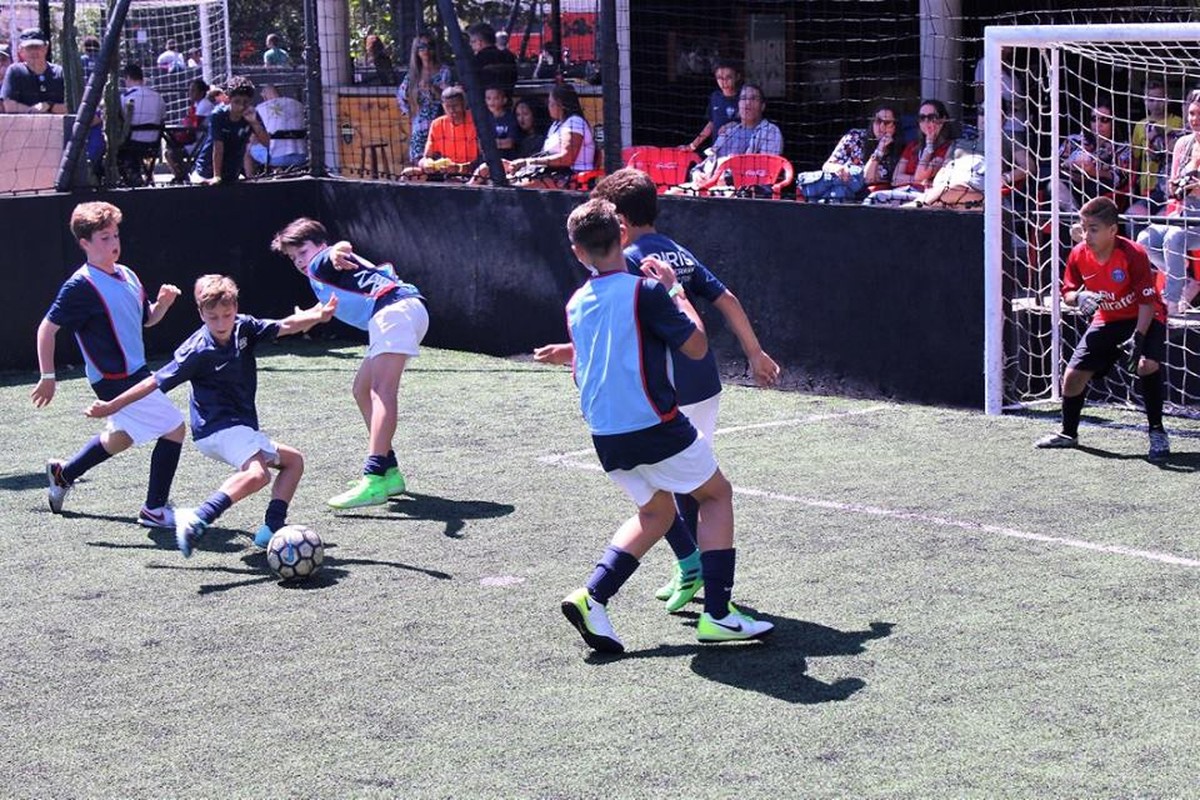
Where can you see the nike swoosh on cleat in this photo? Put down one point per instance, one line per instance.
(735, 628)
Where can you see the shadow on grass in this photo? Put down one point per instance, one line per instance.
(20, 483)
(216, 540)
(775, 666)
(454, 513)
(1175, 462)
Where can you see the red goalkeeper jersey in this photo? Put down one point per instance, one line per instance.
(1124, 282)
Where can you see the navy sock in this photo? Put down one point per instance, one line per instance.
(164, 460)
(613, 569)
(717, 568)
(679, 537)
(276, 516)
(1072, 410)
(689, 509)
(1152, 395)
(391, 460)
(93, 453)
(217, 504)
(376, 465)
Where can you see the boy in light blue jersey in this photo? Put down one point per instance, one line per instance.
(393, 313)
(697, 382)
(622, 327)
(104, 305)
(219, 361)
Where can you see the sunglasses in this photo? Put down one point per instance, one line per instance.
(929, 118)
(422, 47)
(883, 121)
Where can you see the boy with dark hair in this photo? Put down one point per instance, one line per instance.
(229, 129)
(722, 104)
(104, 305)
(219, 361)
(697, 382)
(1110, 276)
(622, 327)
(393, 313)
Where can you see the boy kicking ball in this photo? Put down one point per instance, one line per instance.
(1110, 276)
(622, 327)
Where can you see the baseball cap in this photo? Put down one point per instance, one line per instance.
(32, 36)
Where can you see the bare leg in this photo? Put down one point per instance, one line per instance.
(291, 468)
(386, 371)
(640, 532)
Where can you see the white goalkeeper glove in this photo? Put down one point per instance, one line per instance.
(1087, 302)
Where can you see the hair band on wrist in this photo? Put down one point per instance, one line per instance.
(676, 289)
(48, 376)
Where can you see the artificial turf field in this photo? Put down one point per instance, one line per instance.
(957, 614)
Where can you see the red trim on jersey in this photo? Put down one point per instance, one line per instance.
(111, 327)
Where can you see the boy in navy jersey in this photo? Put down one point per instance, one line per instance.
(219, 361)
(622, 327)
(697, 382)
(1110, 276)
(105, 306)
(393, 313)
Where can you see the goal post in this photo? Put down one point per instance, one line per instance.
(1043, 86)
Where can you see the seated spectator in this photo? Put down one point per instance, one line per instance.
(864, 157)
(960, 181)
(33, 86)
(185, 141)
(921, 159)
(496, 67)
(549, 61)
(230, 127)
(722, 104)
(91, 51)
(752, 133)
(143, 110)
(531, 137)
(275, 55)
(452, 148)
(504, 122)
(195, 58)
(569, 148)
(278, 113)
(5, 63)
(1094, 163)
(171, 60)
(1153, 139)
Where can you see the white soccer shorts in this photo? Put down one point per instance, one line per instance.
(398, 328)
(703, 415)
(682, 473)
(237, 445)
(147, 419)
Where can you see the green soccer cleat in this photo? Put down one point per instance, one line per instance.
(736, 626)
(685, 590)
(395, 481)
(369, 490)
(669, 588)
(591, 620)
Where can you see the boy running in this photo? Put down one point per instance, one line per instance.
(219, 360)
(1110, 276)
(622, 327)
(393, 313)
(105, 306)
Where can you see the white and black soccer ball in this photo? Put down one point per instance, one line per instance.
(295, 552)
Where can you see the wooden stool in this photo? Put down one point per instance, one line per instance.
(379, 154)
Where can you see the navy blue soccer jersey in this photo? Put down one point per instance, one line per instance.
(695, 379)
(360, 292)
(106, 313)
(234, 135)
(224, 377)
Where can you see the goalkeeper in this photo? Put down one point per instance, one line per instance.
(1110, 276)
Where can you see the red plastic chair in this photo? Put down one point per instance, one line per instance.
(751, 169)
(666, 166)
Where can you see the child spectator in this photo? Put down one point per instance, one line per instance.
(393, 313)
(697, 382)
(751, 133)
(104, 305)
(229, 129)
(1110, 276)
(722, 104)
(275, 55)
(504, 121)
(531, 137)
(622, 327)
(218, 360)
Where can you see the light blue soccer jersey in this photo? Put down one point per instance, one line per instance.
(360, 292)
(106, 314)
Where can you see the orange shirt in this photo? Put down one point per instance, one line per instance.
(458, 143)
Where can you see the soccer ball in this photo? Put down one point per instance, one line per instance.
(295, 552)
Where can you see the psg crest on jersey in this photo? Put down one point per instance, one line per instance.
(1118, 275)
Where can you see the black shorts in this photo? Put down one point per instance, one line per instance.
(1100, 346)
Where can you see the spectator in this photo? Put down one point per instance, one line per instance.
(1012, 94)
(1152, 141)
(549, 61)
(278, 113)
(195, 58)
(959, 183)
(453, 144)
(275, 56)
(722, 104)
(569, 147)
(5, 63)
(503, 121)
(1166, 244)
(171, 60)
(495, 67)
(752, 133)
(229, 129)
(420, 93)
(184, 142)
(501, 40)
(143, 110)
(532, 136)
(1094, 163)
(34, 86)
(377, 59)
(91, 51)
(921, 159)
(863, 158)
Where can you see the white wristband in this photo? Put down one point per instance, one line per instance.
(676, 289)
(48, 376)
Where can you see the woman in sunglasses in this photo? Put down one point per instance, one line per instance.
(1095, 163)
(420, 93)
(863, 158)
(922, 158)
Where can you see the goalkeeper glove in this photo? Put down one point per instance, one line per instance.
(1133, 351)
(1087, 302)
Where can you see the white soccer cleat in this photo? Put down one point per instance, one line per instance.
(59, 488)
(591, 620)
(735, 626)
(161, 517)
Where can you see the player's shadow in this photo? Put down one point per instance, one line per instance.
(777, 665)
(1174, 462)
(216, 540)
(21, 483)
(453, 512)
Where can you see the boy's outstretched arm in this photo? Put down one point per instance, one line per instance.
(168, 293)
(302, 320)
(43, 393)
(762, 366)
(106, 408)
(555, 353)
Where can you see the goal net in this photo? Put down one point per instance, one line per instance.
(1071, 113)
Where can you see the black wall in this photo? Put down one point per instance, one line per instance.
(873, 301)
